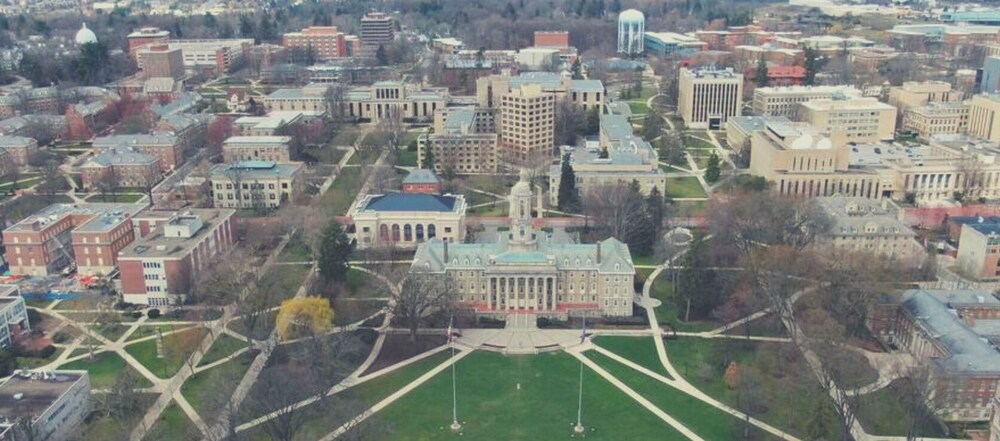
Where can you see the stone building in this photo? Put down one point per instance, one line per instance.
(55, 402)
(255, 184)
(937, 118)
(256, 148)
(528, 271)
(464, 141)
(706, 98)
(866, 225)
(409, 219)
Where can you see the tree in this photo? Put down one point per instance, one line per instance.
(713, 171)
(577, 69)
(381, 58)
(334, 252)
(670, 148)
(220, 129)
(619, 210)
(761, 75)
(8, 362)
(419, 295)
(123, 402)
(593, 125)
(813, 64)
(656, 208)
(569, 200)
(303, 316)
(652, 125)
(569, 122)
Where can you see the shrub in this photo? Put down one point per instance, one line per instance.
(34, 317)
(212, 314)
(489, 322)
(153, 313)
(61, 337)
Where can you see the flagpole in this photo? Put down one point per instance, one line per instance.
(579, 408)
(455, 426)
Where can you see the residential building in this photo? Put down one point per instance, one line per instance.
(17, 150)
(917, 93)
(318, 43)
(785, 100)
(984, 120)
(778, 75)
(862, 120)
(421, 181)
(86, 236)
(161, 61)
(56, 402)
(629, 158)
(708, 97)
(13, 316)
(665, 43)
(256, 148)
(377, 29)
(948, 330)
(530, 270)
(408, 219)
(867, 225)
(584, 93)
(214, 55)
(558, 40)
(937, 118)
(164, 146)
(464, 141)
(120, 168)
(527, 125)
(255, 184)
(771, 53)
(160, 267)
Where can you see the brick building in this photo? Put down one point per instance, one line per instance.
(256, 148)
(17, 149)
(164, 146)
(422, 181)
(47, 241)
(161, 61)
(377, 29)
(321, 43)
(120, 168)
(144, 37)
(160, 267)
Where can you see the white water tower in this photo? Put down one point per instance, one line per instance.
(631, 31)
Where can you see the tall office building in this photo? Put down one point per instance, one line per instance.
(631, 31)
(527, 125)
(376, 29)
(708, 97)
(984, 120)
(325, 43)
(861, 119)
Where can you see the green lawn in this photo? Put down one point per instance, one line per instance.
(669, 312)
(117, 197)
(407, 158)
(691, 208)
(34, 363)
(685, 187)
(641, 350)
(146, 330)
(285, 280)
(296, 250)
(476, 198)
(638, 107)
(494, 210)
(22, 182)
(263, 329)
(697, 142)
(100, 427)
(202, 389)
(786, 387)
(346, 137)
(111, 332)
(177, 348)
(883, 413)
(222, 348)
(327, 154)
(103, 370)
(319, 421)
(708, 422)
(173, 424)
(341, 194)
(520, 398)
(644, 260)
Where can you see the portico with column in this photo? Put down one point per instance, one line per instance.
(532, 292)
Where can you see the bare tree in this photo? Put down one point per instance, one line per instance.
(419, 295)
(107, 182)
(614, 208)
(278, 393)
(150, 177)
(390, 127)
(238, 279)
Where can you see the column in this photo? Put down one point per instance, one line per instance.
(489, 293)
(555, 294)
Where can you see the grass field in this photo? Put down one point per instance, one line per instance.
(534, 399)
(685, 187)
(174, 424)
(786, 387)
(669, 312)
(346, 137)
(641, 350)
(115, 197)
(638, 107)
(697, 142)
(708, 422)
(202, 389)
(286, 280)
(222, 348)
(103, 370)
(177, 348)
(883, 413)
(296, 250)
(100, 427)
(339, 197)
(691, 208)
(407, 158)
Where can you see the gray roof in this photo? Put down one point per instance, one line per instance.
(421, 176)
(256, 169)
(459, 120)
(541, 78)
(853, 216)
(586, 85)
(15, 141)
(185, 101)
(113, 141)
(120, 156)
(749, 124)
(430, 256)
(968, 352)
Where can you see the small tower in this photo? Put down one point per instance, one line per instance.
(522, 235)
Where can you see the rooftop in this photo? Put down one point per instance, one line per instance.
(256, 169)
(421, 176)
(968, 351)
(254, 140)
(93, 216)
(120, 156)
(37, 391)
(412, 202)
(854, 216)
(807, 90)
(15, 141)
(160, 138)
(845, 103)
(756, 123)
(158, 245)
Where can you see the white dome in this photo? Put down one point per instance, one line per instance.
(85, 36)
(631, 15)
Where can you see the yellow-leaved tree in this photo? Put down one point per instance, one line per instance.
(298, 317)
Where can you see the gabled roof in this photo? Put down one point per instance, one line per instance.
(421, 176)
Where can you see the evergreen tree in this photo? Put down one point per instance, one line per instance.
(569, 201)
(381, 57)
(247, 28)
(652, 125)
(616, 6)
(761, 76)
(334, 253)
(656, 209)
(577, 70)
(641, 237)
(812, 64)
(714, 169)
(593, 122)
(603, 153)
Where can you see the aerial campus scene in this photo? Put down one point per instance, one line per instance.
(706, 220)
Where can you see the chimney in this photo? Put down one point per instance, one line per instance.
(446, 251)
(598, 253)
